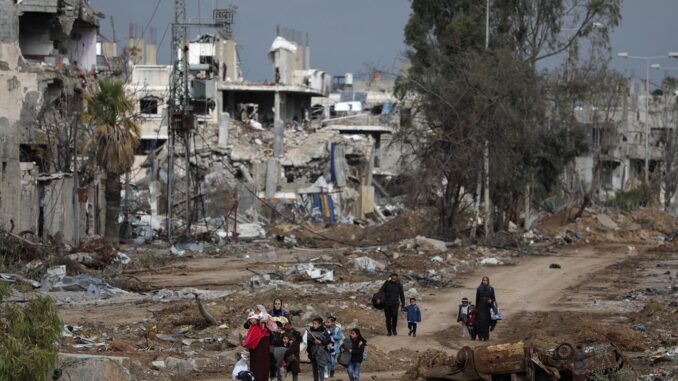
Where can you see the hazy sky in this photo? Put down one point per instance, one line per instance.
(347, 35)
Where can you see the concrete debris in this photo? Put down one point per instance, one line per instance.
(14, 278)
(245, 232)
(174, 251)
(490, 262)
(437, 259)
(607, 222)
(430, 244)
(367, 264)
(122, 258)
(56, 281)
(72, 367)
(315, 273)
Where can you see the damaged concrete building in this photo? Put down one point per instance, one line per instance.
(627, 135)
(47, 57)
(299, 167)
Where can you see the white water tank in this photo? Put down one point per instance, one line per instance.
(348, 79)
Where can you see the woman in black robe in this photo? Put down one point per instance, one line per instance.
(485, 301)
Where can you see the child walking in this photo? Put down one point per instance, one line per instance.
(413, 317)
(357, 346)
(337, 335)
(463, 315)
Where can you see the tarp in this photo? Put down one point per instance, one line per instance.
(280, 43)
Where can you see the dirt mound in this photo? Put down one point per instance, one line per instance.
(549, 329)
(654, 219)
(610, 225)
(408, 224)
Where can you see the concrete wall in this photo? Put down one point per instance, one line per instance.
(82, 46)
(58, 206)
(197, 49)
(30, 203)
(9, 22)
(153, 76)
(10, 186)
(227, 55)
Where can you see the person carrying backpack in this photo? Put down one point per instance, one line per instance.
(394, 296)
(356, 346)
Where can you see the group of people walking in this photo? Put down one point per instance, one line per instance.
(479, 319)
(275, 347)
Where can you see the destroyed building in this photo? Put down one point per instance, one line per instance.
(321, 169)
(48, 57)
(626, 135)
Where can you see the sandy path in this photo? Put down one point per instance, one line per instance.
(530, 285)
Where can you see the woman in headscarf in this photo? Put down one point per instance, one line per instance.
(485, 301)
(278, 310)
(258, 341)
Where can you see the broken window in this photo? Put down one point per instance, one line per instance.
(149, 105)
(147, 145)
(34, 153)
(34, 37)
(206, 60)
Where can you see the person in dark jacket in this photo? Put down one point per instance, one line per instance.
(413, 317)
(485, 301)
(394, 296)
(318, 341)
(356, 346)
(278, 310)
(292, 340)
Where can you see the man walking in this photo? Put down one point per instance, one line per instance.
(394, 296)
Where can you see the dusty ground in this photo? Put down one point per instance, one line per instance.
(539, 304)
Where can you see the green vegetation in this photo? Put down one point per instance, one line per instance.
(29, 336)
(630, 200)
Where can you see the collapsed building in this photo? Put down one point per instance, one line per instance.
(259, 140)
(48, 58)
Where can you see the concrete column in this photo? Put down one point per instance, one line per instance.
(151, 54)
(278, 127)
(224, 119)
(272, 175)
(307, 58)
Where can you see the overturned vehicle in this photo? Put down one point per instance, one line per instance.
(517, 361)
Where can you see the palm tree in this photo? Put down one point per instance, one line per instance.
(112, 143)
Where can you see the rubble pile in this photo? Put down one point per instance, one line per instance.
(606, 225)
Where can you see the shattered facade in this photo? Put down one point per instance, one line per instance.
(47, 59)
(622, 142)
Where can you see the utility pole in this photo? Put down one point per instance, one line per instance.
(76, 185)
(180, 116)
(486, 153)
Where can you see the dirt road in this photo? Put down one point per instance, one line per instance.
(529, 285)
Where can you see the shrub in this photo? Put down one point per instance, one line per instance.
(29, 337)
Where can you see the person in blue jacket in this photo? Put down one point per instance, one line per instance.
(337, 335)
(413, 317)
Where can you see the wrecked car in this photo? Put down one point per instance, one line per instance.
(517, 361)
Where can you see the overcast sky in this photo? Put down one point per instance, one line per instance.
(348, 35)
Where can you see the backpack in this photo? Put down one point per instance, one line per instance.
(378, 300)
